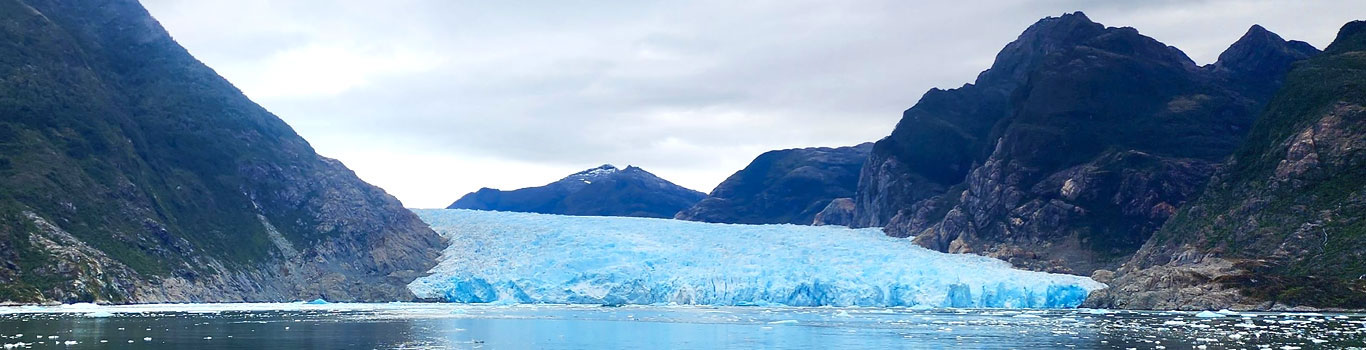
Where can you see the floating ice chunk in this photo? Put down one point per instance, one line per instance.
(318, 301)
(499, 257)
(80, 306)
(784, 322)
(1209, 314)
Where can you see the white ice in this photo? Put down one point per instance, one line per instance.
(509, 258)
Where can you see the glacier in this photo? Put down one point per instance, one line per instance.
(516, 258)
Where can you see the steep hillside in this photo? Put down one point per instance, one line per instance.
(601, 191)
(1284, 223)
(131, 172)
(783, 187)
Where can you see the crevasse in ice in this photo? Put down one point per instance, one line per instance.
(500, 257)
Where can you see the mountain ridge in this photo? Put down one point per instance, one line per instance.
(788, 186)
(600, 191)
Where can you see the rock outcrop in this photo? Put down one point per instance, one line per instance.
(1282, 224)
(131, 172)
(783, 187)
(600, 191)
(839, 212)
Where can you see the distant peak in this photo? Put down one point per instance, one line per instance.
(1259, 35)
(1263, 52)
(599, 169)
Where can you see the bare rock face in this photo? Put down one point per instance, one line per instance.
(839, 212)
(134, 173)
(1281, 225)
(1194, 286)
(1059, 223)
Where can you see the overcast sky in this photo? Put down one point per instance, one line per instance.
(431, 99)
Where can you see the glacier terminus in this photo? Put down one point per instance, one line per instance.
(514, 258)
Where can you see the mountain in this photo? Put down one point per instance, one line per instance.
(131, 172)
(1071, 150)
(600, 191)
(1284, 223)
(947, 132)
(783, 187)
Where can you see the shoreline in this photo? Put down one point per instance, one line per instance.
(76, 308)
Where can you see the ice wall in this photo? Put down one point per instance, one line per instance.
(498, 257)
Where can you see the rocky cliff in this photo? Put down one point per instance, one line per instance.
(783, 187)
(601, 191)
(131, 172)
(1077, 144)
(1281, 225)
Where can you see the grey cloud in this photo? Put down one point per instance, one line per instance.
(694, 88)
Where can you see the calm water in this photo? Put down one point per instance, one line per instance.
(442, 326)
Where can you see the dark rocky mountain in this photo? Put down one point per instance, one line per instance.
(783, 187)
(1283, 224)
(601, 191)
(1067, 154)
(947, 132)
(131, 172)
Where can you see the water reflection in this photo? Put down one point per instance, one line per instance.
(443, 326)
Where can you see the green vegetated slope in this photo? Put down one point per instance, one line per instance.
(160, 169)
(1289, 209)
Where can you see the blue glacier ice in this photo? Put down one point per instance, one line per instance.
(507, 258)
